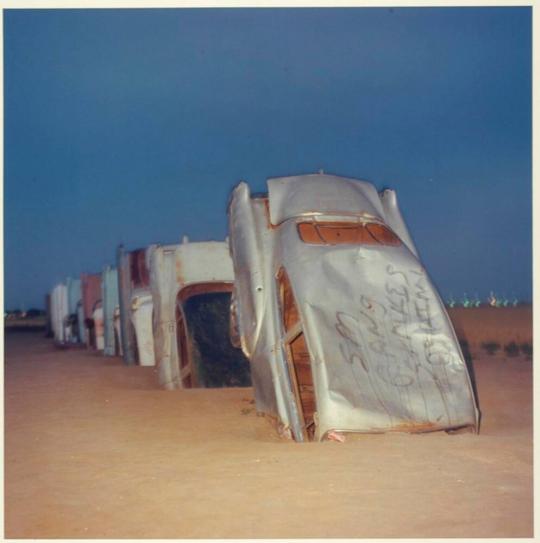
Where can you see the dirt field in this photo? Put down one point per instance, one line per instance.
(487, 324)
(93, 449)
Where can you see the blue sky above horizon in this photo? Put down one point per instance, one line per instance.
(133, 126)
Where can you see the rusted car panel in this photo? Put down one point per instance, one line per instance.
(179, 274)
(109, 285)
(343, 327)
(91, 301)
(136, 307)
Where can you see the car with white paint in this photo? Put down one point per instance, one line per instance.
(344, 330)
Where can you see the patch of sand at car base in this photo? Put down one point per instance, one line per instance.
(94, 450)
(479, 325)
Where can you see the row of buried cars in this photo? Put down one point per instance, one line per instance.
(317, 298)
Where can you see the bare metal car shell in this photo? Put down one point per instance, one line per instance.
(135, 307)
(59, 312)
(109, 295)
(382, 351)
(65, 300)
(175, 269)
(92, 309)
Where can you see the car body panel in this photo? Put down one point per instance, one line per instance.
(383, 355)
(177, 269)
(135, 307)
(74, 294)
(91, 298)
(109, 285)
(141, 316)
(59, 312)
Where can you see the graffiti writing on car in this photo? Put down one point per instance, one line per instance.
(399, 340)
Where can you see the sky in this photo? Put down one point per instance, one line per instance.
(132, 126)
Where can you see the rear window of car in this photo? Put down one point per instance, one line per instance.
(338, 233)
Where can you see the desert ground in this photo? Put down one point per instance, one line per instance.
(94, 449)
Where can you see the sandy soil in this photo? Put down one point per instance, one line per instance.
(490, 324)
(94, 450)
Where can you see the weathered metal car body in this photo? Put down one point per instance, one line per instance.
(97, 316)
(109, 286)
(59, 312)
(73, 328)
(92, 310)
(136, 307)
(64, 300)
(118, 330)
(343, 328)
(80, 321)
(191, 281)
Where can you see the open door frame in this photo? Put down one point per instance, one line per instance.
(294, 346)
(188, 375)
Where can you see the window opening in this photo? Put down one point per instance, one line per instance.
(337, 233)
(206, 356)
